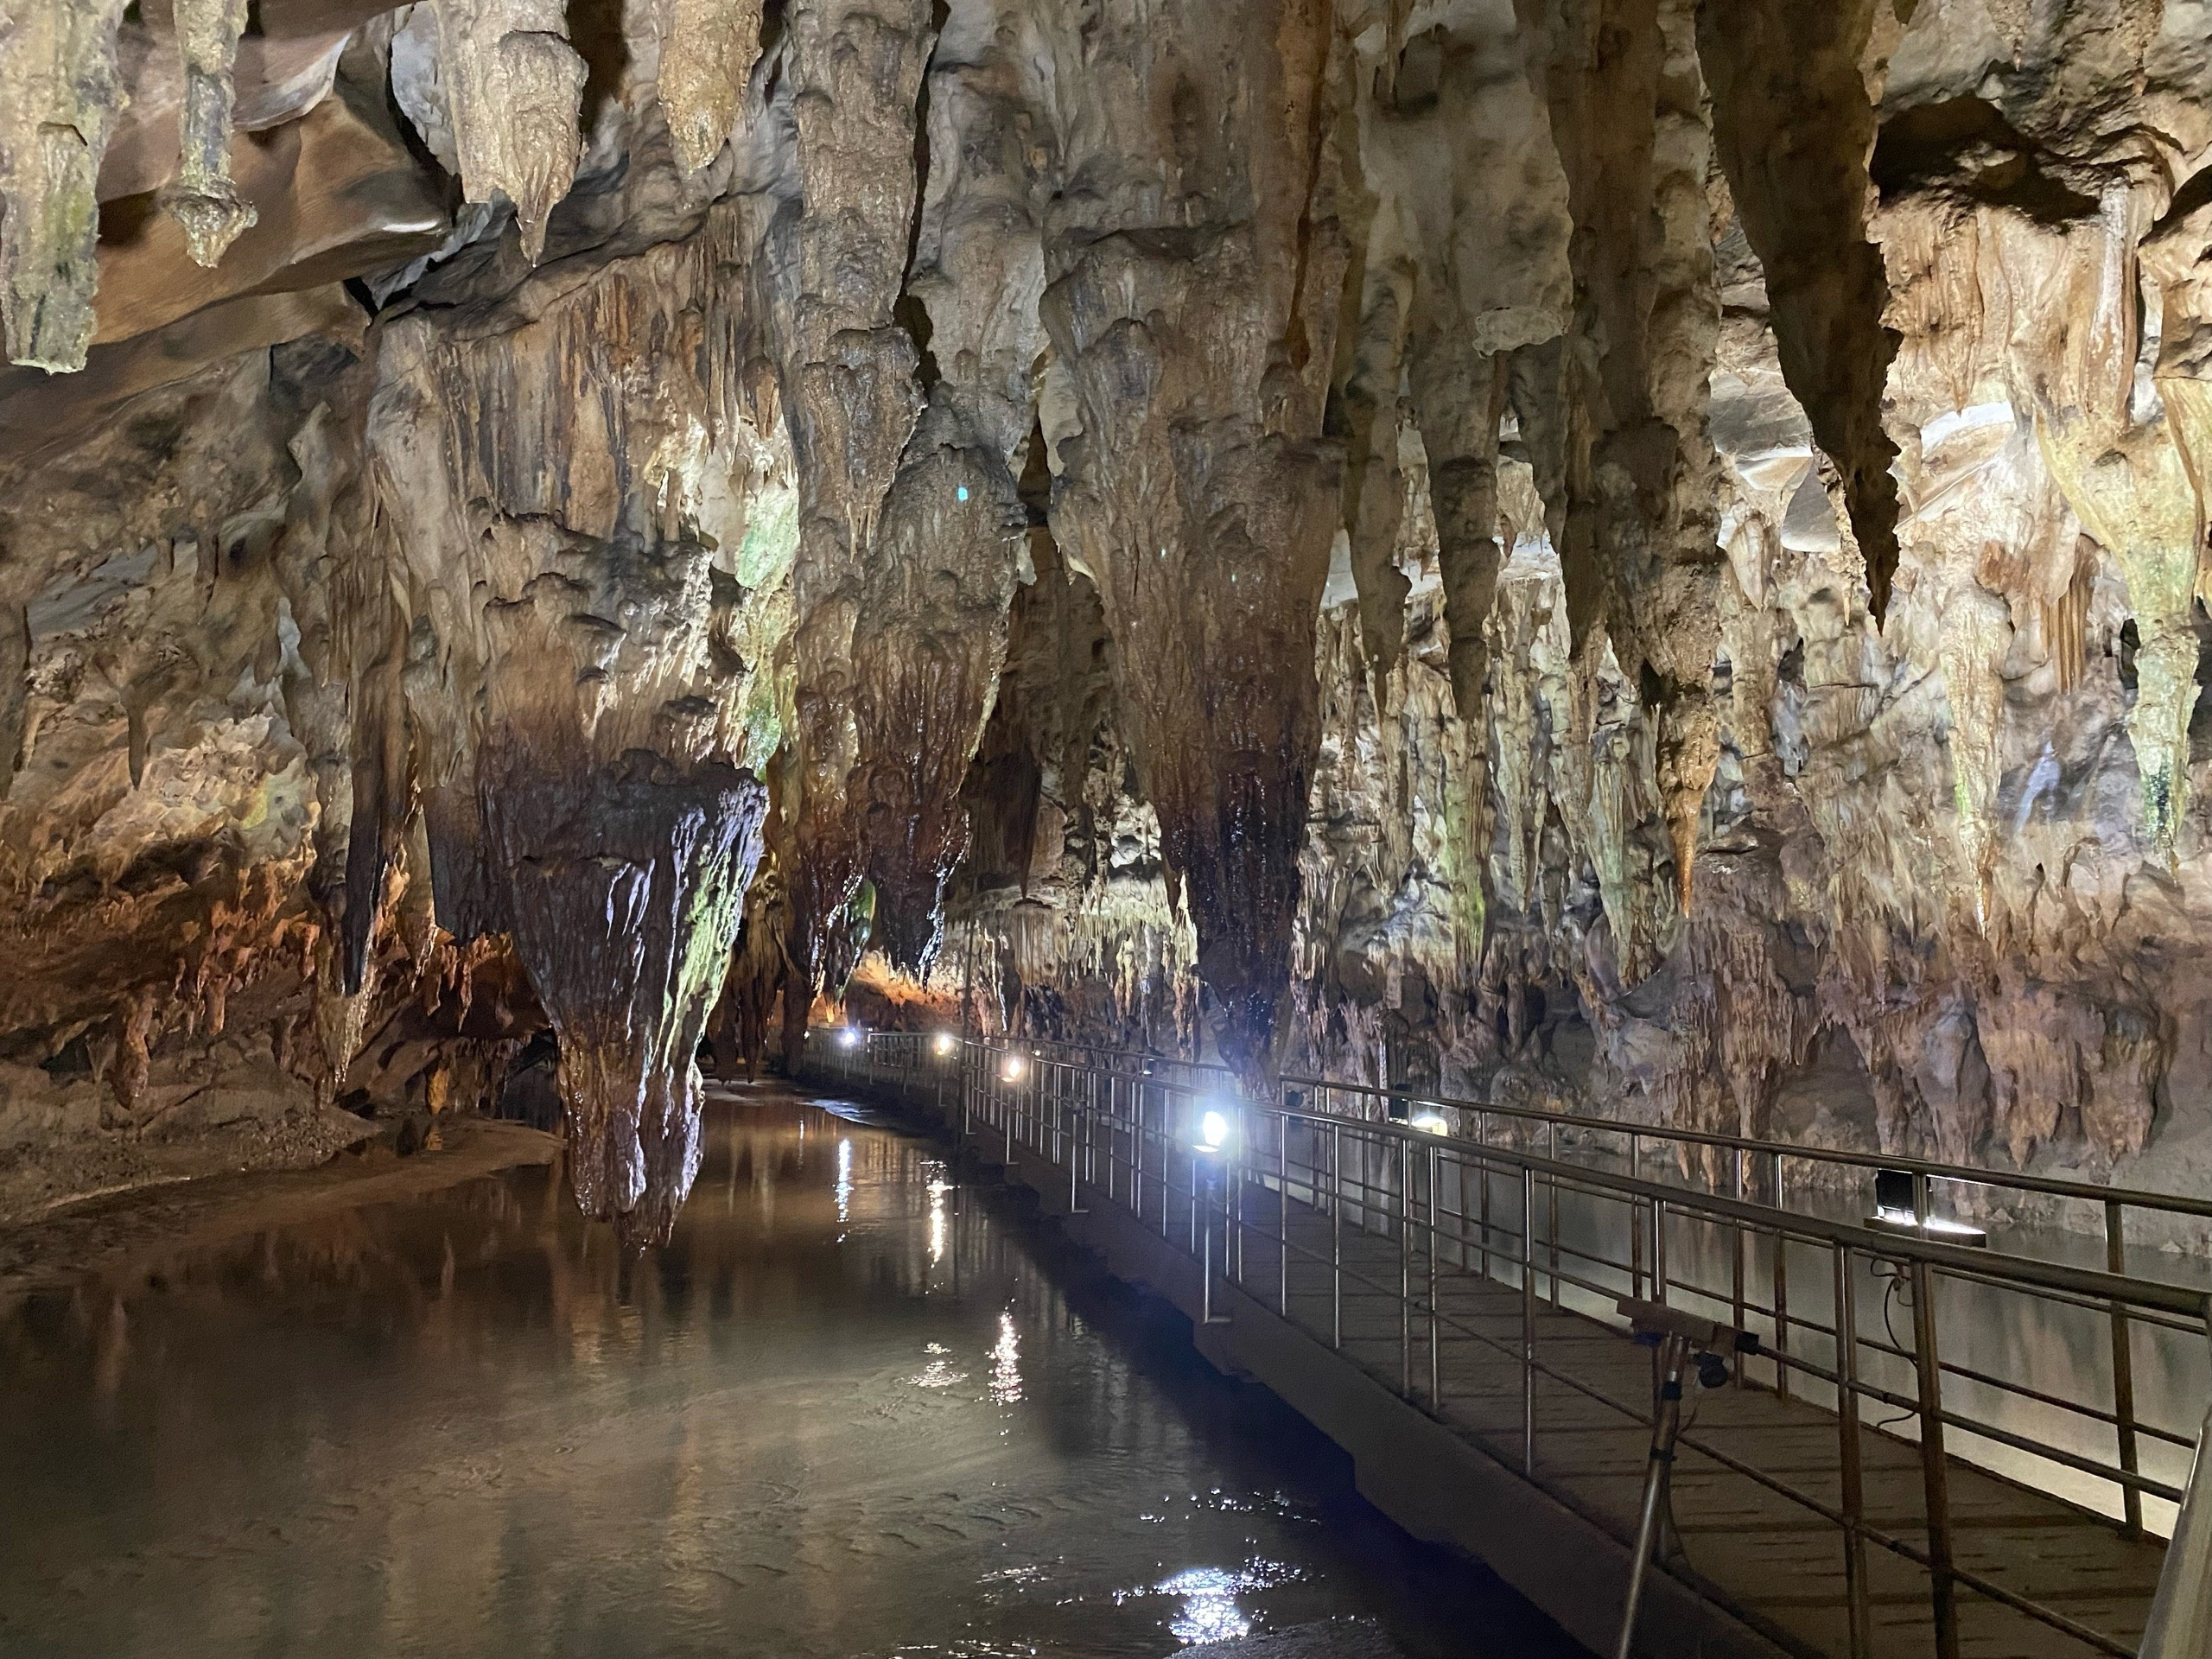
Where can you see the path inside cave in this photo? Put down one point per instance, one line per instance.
(849, 1411)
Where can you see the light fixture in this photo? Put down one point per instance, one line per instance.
(850, 1037)
(945, 1043)
(1213, 1132)
(1896, 1210)
(1013, 1068)
(1431, 1123)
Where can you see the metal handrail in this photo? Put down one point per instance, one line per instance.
(1966, 1174)
(1054, 1108)
(2094, 1285)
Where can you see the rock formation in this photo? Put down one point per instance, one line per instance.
(1646, 555)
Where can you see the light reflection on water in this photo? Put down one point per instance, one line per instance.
(1006, 1363)
(940, 1220)
(844, 1414)
(1210, 1610)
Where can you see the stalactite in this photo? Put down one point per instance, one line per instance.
(1640, 551)
(513, 85)
(203, 199)
(628, 885)
(947, 424)
(853, 402)
(1793, 124)
(707, 49)
(58, 101)
(1211, 555)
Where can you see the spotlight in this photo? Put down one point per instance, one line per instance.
(1895, 1211)
(944, 1044)
(1213, 1132)
(1015, 1068)
(1431, 1123)
(850, 1037)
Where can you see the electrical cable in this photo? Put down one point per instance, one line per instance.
(1896, 1293)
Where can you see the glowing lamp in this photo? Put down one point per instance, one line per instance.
(1431, 1123)
(1213, 1132)
(849, 1037)
(945, 1043)
(1896, 1212)
(1013, 1069)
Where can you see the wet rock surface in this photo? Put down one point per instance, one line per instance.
(1633, 555)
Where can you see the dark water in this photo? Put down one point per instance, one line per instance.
(850, 1411)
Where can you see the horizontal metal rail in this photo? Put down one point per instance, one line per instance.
(1125, 1127)
(1962, 1174)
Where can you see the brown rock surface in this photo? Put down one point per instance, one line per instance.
(1277, 530)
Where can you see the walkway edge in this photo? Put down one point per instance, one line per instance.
(1436, 1485)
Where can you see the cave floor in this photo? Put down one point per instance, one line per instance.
(852, 1410)
(117, 1238)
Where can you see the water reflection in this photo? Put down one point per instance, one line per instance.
(1005, 1363)
(939, 1190)
(469, 1424)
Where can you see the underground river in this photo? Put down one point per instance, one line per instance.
(853, 1410)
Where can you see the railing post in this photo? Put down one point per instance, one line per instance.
(1482, 1123)
(1405, 1268)
(2123, 1367)
(1935, 1470)
(1551, 1207)
(1336, 1235)
(1205, 1252)
(1232, 1212)
(1075, 1166)
(1136, 1154)
(1738, 1242)
(1528, 1321)
(1636, 1247)
(1847, 1413)
(1282, 1214)
(1780, 1275)
(1435, 1358)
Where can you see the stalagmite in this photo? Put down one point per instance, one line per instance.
(203, 198)
(2117, 458)
(58, 101)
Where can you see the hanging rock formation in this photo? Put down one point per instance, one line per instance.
(1641, 555)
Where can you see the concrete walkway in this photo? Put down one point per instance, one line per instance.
(1747, 1570)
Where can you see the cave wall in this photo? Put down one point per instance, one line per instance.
(1638, 555)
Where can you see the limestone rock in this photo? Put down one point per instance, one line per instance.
(58, 101)
(1642, 556)
(203, 199)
